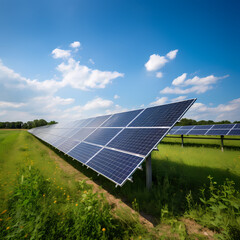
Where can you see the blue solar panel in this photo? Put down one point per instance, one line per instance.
(181, 132)
(197, 132)
(202, 127)
(139, 141)
(83, 152)
(102, 135)
(164, 115)
(83, 133)
(114, 165)
(234, 132)
(187, 127)
(223, 126)
(218, 132)
(237, 126)
(59, 141)
(97, 121)
(67, 145)
(121, 119)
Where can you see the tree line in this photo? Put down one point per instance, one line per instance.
(186, 122)
(26, 125)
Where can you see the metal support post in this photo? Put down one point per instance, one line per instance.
(182, 139)
(148, 172)
(222, 142)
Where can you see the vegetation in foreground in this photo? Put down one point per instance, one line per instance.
(177, 172)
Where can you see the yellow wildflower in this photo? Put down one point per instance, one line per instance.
(7, 228)
(44, 195)
(85, 191)
(104, 229)
(4, 211)
(55, 201)
(0, 219)
(76, 204)
(26, 235)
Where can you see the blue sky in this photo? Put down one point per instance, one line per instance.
(65, 60)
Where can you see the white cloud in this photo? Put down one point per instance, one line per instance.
(229, 111)
(59, 53)
(84, 78)
(199, 85)
(178, 99)
(159, 101)
(179, 80)
(75, 44)
(172, 54)
(116, 96)
(159, 75)
(155, 62)
(4, 104)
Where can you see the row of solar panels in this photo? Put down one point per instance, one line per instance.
(219, 129)
(114, 145)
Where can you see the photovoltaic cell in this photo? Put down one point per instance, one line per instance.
(223, 126)
(187, 127)
(121, 119)
(83, 133)
(97, 121)
(197, 132)
(102, 135)
(139, 141)
(164, 115)
(116, 166)
(67, 145)
(181, 131)
(218, 132)
(83, 152)
(237, 126)
(202, 127)
(234, 132)
(59, 141)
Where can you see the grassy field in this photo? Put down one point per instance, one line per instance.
(178, 175)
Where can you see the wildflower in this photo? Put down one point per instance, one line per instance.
(8, 218)
(26, 235)
(85, 191)
(104, 229)
(0, 219)
(64, 194)
(76, 204)
(7, 228)
(4, 211)
(55, 201)
(44, 195)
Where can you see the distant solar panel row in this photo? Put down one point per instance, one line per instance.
(114, 145)
(218, 129)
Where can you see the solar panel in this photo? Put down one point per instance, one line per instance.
(216, 129)
(115, 145)
(102, 135)
(67, 145)
(121, 119)
(116, 166)
(83, 152)
(138, 141)
(164, 115)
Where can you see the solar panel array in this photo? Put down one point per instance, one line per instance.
(114, 145)
(218, 129)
